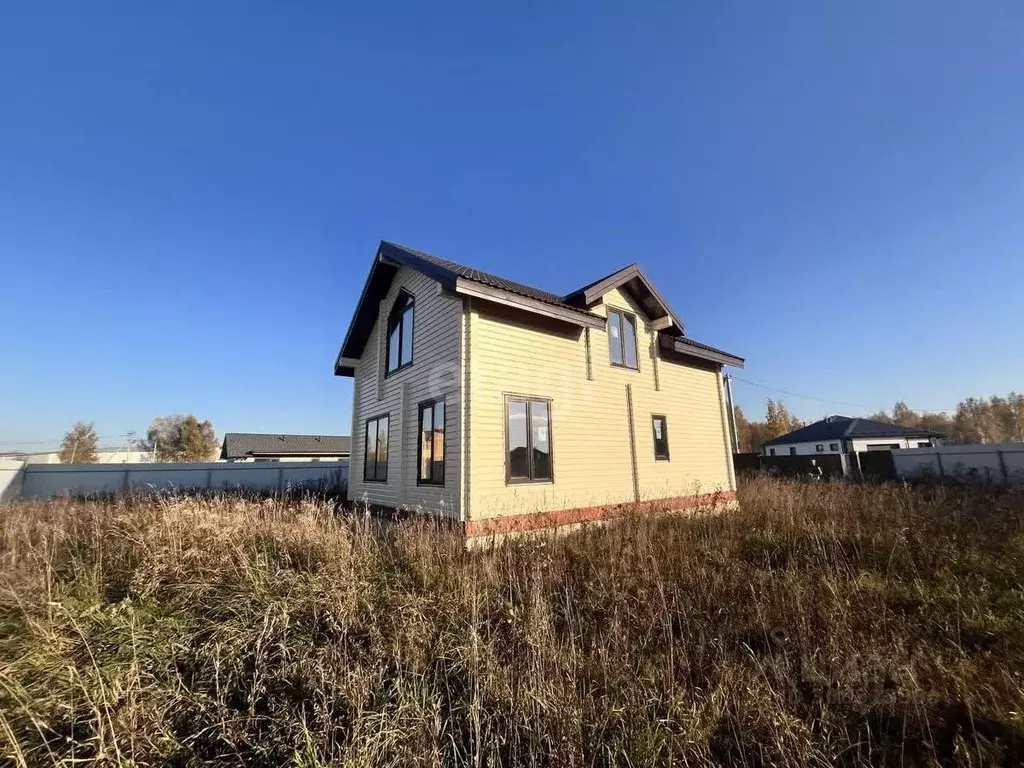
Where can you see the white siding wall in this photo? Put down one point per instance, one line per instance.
(805, 449)
(863, 443)
(434, 373)
(860, 444)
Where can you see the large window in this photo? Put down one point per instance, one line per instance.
(660, 426)
(622, 338)
(375, 462)
(528, 435)
(431, 451)
(400, 319)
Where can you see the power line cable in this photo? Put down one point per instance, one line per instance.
(59, 440)
(831, 402)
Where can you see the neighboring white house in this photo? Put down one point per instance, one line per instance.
(121, 455)
(843, 434)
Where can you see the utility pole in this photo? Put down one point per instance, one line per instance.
(732, 414)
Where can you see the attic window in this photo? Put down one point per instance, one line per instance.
(400, 320)
(622, 338)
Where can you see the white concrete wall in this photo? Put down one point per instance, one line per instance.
(48, 480)
(993, 463)
(10, 479)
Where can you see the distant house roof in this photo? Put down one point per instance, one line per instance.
(460, 279)
(242, 445)
(846, 427)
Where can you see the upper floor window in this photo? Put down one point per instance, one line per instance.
(622, 338)
(819, 448)
(528, 436)
(431, 458)
(400, 320)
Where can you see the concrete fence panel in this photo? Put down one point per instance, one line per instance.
(995, 463)
(49, 480)
(10, 479)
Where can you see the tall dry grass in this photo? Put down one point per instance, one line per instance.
(819, 625)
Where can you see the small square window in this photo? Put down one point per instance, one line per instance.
(771, 451)
(833, 446)
(819, 448)
(792, 451)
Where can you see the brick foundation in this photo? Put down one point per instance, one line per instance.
(538, 521)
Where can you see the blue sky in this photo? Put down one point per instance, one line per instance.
(191, 193)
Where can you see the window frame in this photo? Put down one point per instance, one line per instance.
(771, 451)
(654, 435)
(387, 456)
(395, 319)
(424, 405)
(819, 447)
(792, 451)
(833, 446)
(623, 314)
(529, 399)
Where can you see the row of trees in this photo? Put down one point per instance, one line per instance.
(169, 439)
(977, 420)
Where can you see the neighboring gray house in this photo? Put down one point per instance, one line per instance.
(843, 434)
(247, 446)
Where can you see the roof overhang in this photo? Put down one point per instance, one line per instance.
(584, 319)
(685, 346)
(261, 454)
(386, 263)
(633, 281)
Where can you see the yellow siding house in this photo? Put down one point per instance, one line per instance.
(509, 408)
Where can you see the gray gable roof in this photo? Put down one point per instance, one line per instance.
(848, 428)
(241, 445)
(572, 307)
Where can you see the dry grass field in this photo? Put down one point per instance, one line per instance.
(819, 625)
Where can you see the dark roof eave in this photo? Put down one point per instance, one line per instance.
(788, 440)
(685, 346)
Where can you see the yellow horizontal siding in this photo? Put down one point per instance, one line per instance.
(511, 354)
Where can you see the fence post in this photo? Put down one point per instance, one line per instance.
(938, 456)
(127, 481)
(1002, 467)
